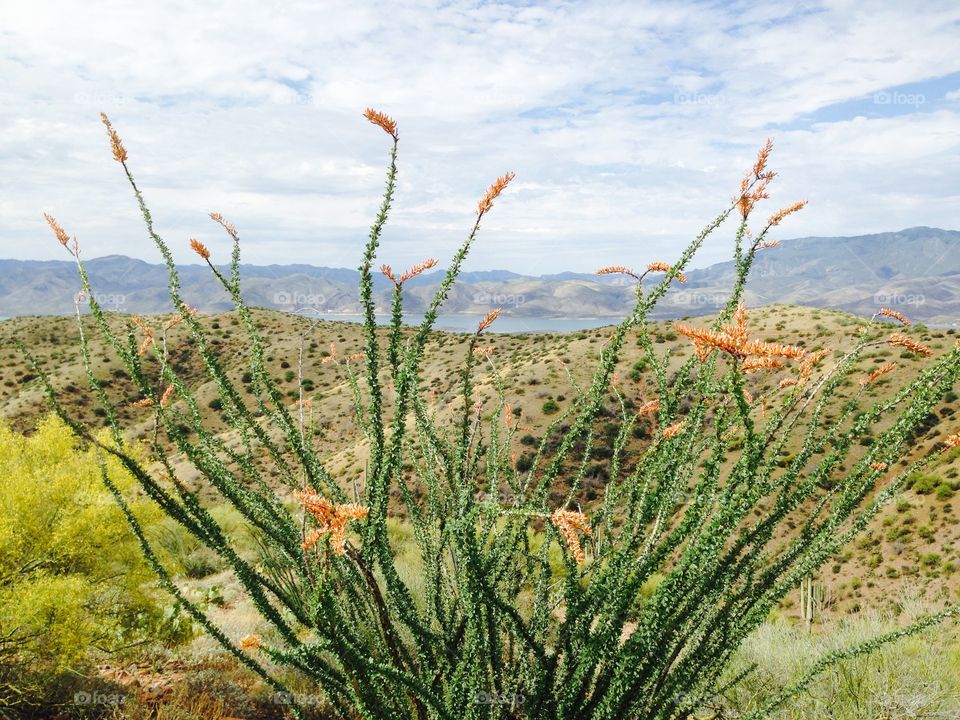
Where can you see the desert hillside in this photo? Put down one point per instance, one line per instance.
(913, 545)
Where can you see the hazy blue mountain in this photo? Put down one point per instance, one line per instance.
(916, 271)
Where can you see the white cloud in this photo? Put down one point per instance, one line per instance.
(628, 124)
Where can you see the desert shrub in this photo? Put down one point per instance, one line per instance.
(909, 679)
(924, 484)
(465, 613)
(72, 577)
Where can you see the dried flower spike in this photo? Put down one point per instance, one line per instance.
(330, 519)
(569, 523)
(674, 430)
(250, 642)
(733, 339)
(384, 121)
(200, 249)
(486, 202)
(895, 315)
(876, 374)
(910, 344)
(58, 230)
(952, 442)
(660, 266)
(488, 320)
(649, 408)
(417, 269)
(617, 270)
(779, 215)
(119, 152)
(760, 166)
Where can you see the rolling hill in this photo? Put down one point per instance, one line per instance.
(916, 270)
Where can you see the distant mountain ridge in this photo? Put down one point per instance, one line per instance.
(916, 270)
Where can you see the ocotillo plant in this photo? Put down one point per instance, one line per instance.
(661, 581)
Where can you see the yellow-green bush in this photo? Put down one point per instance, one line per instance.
(72, 578)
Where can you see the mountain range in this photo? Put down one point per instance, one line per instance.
(916, 271)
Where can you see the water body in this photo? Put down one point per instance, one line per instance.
(504, 324)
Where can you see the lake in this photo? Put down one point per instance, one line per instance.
(504, 324)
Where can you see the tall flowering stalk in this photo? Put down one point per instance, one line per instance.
(494, 629)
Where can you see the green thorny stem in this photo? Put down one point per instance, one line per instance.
(493, 628)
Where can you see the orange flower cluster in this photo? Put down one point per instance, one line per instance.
(617, 270)
(508, 416)
(910, 344)
(895, 314)
(200, 249)
(498, 186)
(250, 642)
(332, 356)
(660, 266)
(876, 374)
(408, 274)
(58, 230)
(733, 340)
(768, 244)
(484, 351)
(179, 318)
(674, 430)
(229, 227)
(417, 269)
(649, 407)
(165, 398)
(569, 523)
(747, 199)
(146, 402)
(761, 363)
(760, 166)
(488, 320)
(810, 361)
(384, 121)
(787, 382)
(330, 518)
(782, 213)
(119, 152)
(148, 334)
(878, 466)
(952, 441)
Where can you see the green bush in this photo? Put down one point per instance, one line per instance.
(924, 484)
(72, 576)
(550, 407)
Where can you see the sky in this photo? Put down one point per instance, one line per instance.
(628, 125)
